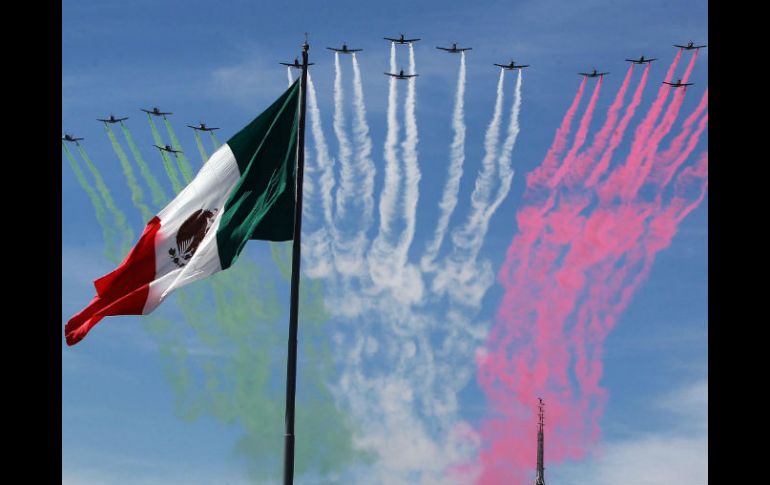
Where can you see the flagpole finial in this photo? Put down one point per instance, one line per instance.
(305, 46)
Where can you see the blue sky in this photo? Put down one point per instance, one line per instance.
(123, 423)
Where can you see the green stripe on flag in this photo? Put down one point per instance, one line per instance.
(261, 204)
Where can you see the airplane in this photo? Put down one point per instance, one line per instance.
(401, 75)
(512, 66)
(593, 74)
(689, 46)
(296, 64)
(401, 40)
(112, 119)
(155, 112)
(344, 49)
(454, 49)
(168, 149)
(68, 137)
(202, 127)
(678, 84)
(641, 60)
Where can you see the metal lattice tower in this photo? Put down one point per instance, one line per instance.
(540, 477)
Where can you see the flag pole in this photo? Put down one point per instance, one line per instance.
(291, 363)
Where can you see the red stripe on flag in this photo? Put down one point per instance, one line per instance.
(123, 291)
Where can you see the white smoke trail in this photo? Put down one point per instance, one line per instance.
(347, 186)
(288, 75)
(318, 186)
(350, 240)
(411, 168)
(505, 170)
(388, 198)
(456, 159)
(364, 164)
(382, 248)
(461, 276)
(462, 237)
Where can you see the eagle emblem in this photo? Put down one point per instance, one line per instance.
(190, 235)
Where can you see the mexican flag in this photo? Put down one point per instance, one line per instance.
(245, 191)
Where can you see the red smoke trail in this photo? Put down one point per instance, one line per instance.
(580, 136)
(617, 135)
(588, 158)
(568, 276)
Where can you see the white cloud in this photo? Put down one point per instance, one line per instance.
(678, 455)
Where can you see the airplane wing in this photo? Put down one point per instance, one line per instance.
(444, 49)
(411, 75)
(283, 64)
(501, 65)
(333, 49)
(585, 73)
(523, 65)
(650, 60)
(670, 84)
(411, 40)
(632, 60)
(680, 46)
(465, 49)
(355, 50)
(390, 74)
(392, 40)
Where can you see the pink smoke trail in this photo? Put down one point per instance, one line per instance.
(644, 128)
(580, 136)
(651, 146)
(617, 135)
(549, 166)
(588, 158)
(567, 277)
(533, 215)
(642, 133)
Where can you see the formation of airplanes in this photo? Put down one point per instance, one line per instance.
(155, 111)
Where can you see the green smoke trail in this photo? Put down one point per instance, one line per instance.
(230, 363)
(281, 252)
(181, 159)
(107, 232)
(170, 170)
(128, 171)
(159, 197)
(214, 140)
(201, 149)
(121, 224)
